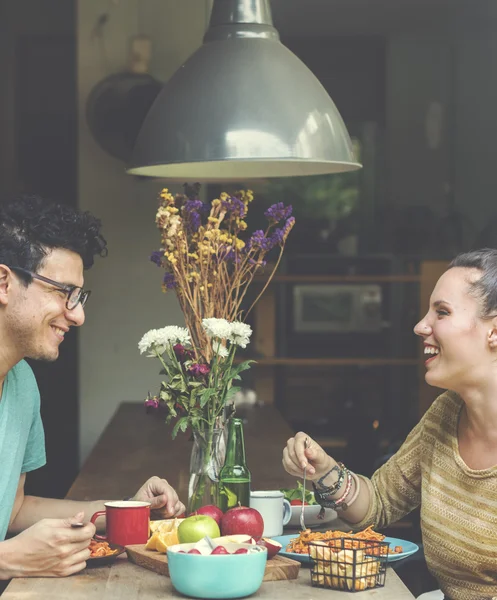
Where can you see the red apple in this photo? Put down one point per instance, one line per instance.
(211, 511)
(194, 551)
(243, 520)
(241, 551)
(273, 547)
(219, 550)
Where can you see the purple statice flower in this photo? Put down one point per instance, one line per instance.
(278, 237)
(278, 212)
(290, 222)
(234, 207)
(156, 257)
(192, 210)
(169, 281)
(198, 370)
(259, 240)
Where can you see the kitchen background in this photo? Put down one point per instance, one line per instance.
(416, 84)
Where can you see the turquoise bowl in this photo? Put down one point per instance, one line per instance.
(218, 576)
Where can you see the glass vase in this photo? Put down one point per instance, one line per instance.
(207, 459)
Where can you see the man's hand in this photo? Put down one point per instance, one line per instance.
(296, 457)
(49, 548)
(162, 497)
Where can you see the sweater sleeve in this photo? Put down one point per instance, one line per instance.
(395, 488)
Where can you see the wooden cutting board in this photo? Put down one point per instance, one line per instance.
(277, 568)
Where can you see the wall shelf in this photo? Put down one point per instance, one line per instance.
(341, 278)
(265, 327)
(334, 362)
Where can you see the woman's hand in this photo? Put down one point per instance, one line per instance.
(296, 457)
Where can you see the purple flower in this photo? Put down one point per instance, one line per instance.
(191, 212)
(259, 240)
(277, 212)
(234, 207)
(278, 237)
(152, 404)
(182, 353)
(198, 370)
(169, 281)
(156, 257)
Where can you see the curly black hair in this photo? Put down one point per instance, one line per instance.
(30, 227)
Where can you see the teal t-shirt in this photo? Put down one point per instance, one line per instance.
(22, 440)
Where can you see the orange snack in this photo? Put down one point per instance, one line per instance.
(100, 549)
(300, 545)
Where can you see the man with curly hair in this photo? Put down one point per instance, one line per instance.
(44, 249)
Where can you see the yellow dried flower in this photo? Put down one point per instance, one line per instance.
(193, 255)
(242, 225)
(167, 196)
(209, 285)
(239, 244)
(172, 209)
(213, 220)
(215, 203)
(224, 196)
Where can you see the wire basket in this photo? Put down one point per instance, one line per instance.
(349, 564)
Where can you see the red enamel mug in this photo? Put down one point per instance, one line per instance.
(126, 522)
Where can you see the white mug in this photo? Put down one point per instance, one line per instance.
(274, 508)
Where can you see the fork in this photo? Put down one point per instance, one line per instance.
(302, 522)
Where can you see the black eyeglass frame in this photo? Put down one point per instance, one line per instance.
(81, 296)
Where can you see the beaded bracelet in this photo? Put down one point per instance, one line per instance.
(338, 504)
(355, 495)
(341, 503)
(333, 489)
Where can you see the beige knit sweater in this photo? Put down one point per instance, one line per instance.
(458, 504)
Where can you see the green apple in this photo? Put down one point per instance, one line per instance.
(192, 529)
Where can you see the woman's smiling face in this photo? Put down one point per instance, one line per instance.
(456, 338)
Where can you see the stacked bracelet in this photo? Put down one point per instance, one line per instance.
(327, 491)
(323, 497)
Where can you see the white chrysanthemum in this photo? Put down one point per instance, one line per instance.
(216, 328)
(240, 334)
(220, 350)
(157, 340)
(148, 341)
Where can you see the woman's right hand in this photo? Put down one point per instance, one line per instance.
(296, 457)
(49, 548)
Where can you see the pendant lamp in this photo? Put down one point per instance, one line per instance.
(241, 107)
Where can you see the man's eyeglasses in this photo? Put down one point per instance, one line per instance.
(75, 294)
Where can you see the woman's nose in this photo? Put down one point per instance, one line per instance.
(422, 328)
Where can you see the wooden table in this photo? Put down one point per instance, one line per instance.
(135, 446)
(126, 581)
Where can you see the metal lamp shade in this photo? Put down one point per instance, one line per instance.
(243, 106)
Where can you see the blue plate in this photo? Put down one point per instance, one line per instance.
(408, 548)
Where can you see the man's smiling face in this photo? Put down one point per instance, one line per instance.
(36, 316)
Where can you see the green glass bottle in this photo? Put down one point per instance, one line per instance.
(234, 478)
